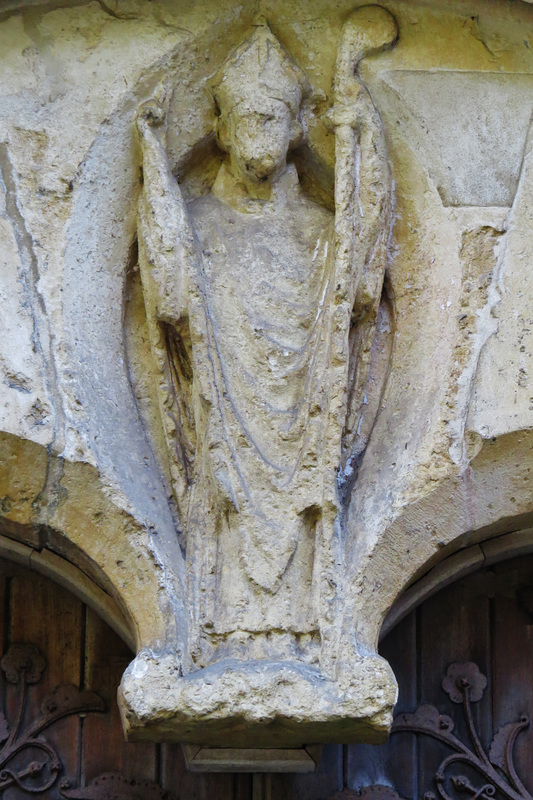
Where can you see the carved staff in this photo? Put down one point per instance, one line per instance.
(363, 187)
(362, 178)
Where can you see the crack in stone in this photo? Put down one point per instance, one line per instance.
(42, 336)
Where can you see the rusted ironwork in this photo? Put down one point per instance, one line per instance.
(29, 762)
(488, 774)
(111, 786)
(26, 760)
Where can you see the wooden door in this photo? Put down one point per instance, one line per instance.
(464, 663)
(50, 639)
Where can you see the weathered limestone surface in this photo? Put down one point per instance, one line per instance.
(435, 455)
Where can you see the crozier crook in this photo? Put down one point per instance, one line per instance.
(363, 189)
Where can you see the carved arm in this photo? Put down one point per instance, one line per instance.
(167, 256)
(166, 239)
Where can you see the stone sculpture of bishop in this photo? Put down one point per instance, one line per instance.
(261, 306)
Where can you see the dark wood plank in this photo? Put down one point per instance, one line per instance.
(242, 786)
(103, 745)
(512, 656)
(394, 762)
(48, 616)
(195, 785)
(454, 626)
(5, 590)
(325, 781)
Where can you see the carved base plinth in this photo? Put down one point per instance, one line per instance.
(254, 759)
(256, 703)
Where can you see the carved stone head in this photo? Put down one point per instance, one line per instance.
(258, 92)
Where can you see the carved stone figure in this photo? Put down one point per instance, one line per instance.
(262, 308)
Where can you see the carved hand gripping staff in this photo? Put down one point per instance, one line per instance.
(262, 307)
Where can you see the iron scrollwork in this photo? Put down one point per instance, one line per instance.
(26, 760)
(29, 762)
(484, 774)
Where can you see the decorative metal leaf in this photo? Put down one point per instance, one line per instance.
(27, 762)
(427, 719)
(63, 701)
(31, 765)
(503, 742)
(23, 660)
(67, 699)
(465, 683)
(462, 677)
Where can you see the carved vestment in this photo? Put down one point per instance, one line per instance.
(262, 315)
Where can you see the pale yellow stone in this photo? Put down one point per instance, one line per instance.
(445, 424)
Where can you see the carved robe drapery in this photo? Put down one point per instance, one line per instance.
(262, 315)
(259, 335)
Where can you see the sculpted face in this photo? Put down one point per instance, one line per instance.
(258, 91)
(258, 138)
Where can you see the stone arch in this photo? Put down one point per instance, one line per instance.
(59, 518)
(469, 518)
(458, 565)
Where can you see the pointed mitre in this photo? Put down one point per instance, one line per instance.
(259, 67)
